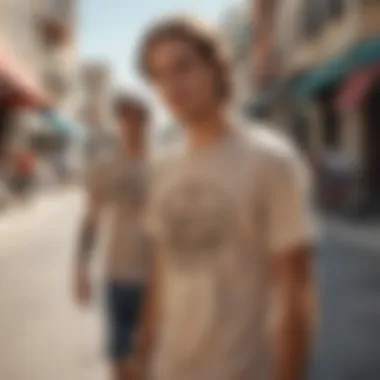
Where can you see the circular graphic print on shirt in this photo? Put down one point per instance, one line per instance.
(198, 219)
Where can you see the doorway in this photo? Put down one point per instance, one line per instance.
(372, 142)
(5, 113)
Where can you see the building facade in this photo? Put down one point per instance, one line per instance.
(38, 65)
(39, 38)
(96, 82)
(56, 20)
(236, 28)
(330, 58)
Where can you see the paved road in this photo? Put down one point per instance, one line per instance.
(44, 337)
(348, 347)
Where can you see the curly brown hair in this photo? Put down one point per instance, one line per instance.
(202, 37)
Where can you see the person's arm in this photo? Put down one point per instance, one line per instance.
(88, 231)
(291, 240)
(140, 360)
(295, 308)
(86, 243)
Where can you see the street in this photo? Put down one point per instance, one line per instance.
(43, 336)
(348, 346)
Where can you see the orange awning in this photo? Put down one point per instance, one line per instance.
(18, 86)
(355, 88)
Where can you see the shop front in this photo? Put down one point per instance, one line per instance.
(55, 141)
(19, 88)
(345, 93)
(358, 102)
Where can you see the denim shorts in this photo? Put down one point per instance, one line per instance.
(123, 309)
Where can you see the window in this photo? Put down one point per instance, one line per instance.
(313, 18)
(336, 8)
(310, 25)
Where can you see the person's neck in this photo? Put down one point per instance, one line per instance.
(208, 131)
(133, 152)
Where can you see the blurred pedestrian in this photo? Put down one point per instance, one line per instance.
(232, 228)
(24, 171)
(118, 178)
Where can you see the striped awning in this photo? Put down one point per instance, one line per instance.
(328, 74)
(332, 72)
(355, 88)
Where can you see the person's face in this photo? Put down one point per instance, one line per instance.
(132, 128)
(184, 81)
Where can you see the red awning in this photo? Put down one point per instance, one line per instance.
(17, 84)
(355, 88)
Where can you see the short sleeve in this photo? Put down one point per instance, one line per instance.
(288, 203)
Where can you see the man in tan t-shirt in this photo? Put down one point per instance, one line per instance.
(117, 180)
(232, 230)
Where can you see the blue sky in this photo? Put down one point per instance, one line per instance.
(109, 29)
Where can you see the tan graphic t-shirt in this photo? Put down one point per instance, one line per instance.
(217, 216)
(120, 186)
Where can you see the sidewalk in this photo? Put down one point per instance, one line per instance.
(26, 221)
(360, 235)
(17, 205)
(45, 336)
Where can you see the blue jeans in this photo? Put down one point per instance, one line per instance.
(123, 309)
